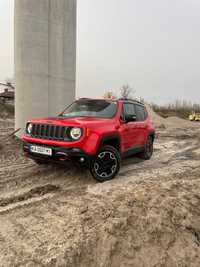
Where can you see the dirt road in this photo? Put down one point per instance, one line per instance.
(59, 216)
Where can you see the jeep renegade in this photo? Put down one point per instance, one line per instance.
(94, 133)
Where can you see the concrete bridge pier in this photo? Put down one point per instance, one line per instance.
(45, 58)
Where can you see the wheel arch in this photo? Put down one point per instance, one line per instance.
(111, 140)
(152, 135)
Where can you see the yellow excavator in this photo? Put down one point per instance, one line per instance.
(194, 116)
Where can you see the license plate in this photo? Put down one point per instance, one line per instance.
(41, 150)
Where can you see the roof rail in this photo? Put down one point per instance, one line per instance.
(83, 98)
(132, 100)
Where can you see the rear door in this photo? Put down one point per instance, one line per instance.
(142, 115)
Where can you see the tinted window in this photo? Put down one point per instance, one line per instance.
(140, 113)
(129, 109)
(91, 108)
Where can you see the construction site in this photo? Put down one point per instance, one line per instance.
(59, 216)
(54, 215)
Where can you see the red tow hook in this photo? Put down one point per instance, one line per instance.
(63, 156)
(64, 159)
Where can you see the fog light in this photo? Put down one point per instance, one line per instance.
(82, 160)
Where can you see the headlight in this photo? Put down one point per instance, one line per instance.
(76, 133)
(29, 128)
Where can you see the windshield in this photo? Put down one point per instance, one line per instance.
(91, 108)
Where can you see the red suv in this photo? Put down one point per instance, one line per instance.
(94, 133)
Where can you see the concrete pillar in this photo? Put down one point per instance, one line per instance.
(45, 57)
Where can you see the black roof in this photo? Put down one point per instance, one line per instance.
(114, 100)
(132, 100)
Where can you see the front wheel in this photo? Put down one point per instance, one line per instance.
(148, 150)
(106, 165)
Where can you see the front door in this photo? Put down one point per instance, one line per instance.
(129, 131)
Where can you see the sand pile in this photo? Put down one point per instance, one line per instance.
(171, 122)
(158, 121)
(140, 225)
(178, 122)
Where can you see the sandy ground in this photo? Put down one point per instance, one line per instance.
(59, 216)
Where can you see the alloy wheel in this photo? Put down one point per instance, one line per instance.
(105, 164)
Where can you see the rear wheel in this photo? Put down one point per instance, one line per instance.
(148, 150)
(106, 165)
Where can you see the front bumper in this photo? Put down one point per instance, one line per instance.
(59, 154)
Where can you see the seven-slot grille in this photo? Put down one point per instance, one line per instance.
(51, 132)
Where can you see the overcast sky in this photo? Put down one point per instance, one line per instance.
(152, 45)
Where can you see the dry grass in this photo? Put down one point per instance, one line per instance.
(178, 109)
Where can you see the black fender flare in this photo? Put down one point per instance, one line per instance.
(111, 139)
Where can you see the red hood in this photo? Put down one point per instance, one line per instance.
(75, 121)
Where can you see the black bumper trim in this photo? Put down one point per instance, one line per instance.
(60, 154)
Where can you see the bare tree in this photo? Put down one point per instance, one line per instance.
(10, 82)
(109, 95)
(126, 91)
(180, 108)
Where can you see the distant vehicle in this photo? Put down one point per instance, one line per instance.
(94, 133)
(194, 116)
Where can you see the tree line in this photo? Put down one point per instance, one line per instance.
(180, 108)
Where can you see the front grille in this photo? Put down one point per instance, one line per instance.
(50, 132)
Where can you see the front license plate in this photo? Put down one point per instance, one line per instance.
(41, 150)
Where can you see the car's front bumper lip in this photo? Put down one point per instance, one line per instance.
(59, 154)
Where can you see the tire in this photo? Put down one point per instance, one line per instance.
(106, 165)
(148, 150)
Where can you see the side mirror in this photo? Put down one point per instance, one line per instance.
(130, 118)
